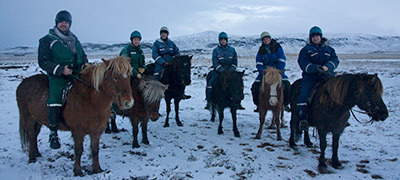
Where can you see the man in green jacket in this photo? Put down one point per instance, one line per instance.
(60, 54)
(135, 53)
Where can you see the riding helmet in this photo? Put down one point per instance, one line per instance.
(135, 34)
(223, 35)
(164, 29)
(63, 16)
(265, 34)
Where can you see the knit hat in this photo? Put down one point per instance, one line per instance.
(63, 16)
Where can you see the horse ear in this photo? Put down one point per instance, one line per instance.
(164, 86)
(190, 57)
(105, 61)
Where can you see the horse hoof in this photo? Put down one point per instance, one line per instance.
(220, 132)
(145, 142)
(115, 130)
(309, 145)
(258, 136)
(97, 170)
(279, 138)
(78, 173)
(271, 127)
(135, 146)
(180, 124)
(32, 160)
(107, 131)
(324, 170)
(166, 125)
(283, 126)
(237, 135)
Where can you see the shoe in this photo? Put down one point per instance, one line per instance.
(186, 96)
(54, 141)
(208, 106)
(241, 107)
(303, 125)
(256, 109)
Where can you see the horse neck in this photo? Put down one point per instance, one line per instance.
(96, 99)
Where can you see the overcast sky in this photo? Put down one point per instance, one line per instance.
(23, 23)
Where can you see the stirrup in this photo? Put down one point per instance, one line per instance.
(54, 141)
(303, 125)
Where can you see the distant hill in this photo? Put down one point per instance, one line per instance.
(203, 43)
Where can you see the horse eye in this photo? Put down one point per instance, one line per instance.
(115, 78)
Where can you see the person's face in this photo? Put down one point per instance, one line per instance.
(316, 39)
(223, 41)
(266, 40)
(63, 26)
(164, 35)
(136, 41)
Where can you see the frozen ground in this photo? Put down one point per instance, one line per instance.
(196, 151)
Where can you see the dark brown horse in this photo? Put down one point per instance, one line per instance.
(329, 110)
(227, 92)
(271, 98)
(86, 110)
(147, 94)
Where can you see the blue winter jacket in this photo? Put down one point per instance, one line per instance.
(224, 57)
(313, 55)
(164, 51)
(276, 59)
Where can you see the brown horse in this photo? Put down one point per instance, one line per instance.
(329, 109)
(86, 110)
(147, 94)
(271, 98)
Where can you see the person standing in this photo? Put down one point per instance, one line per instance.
(224, 57)
(270, 54)
(60, 54)
(318, 61)
(163, 52)
(136, 55)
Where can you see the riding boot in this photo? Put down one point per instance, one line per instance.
(286, 95)
(303, 124)
(208, 96)
(53, 117)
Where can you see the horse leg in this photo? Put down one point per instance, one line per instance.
(335, 145)
(135, 131)
(221, 117)
(292, 142)
(283, 119)
(212, 113)
(78, 140)
(307, 141)
(32, 133)
(275, 118)
(263, 113)
(114, 127)
(145, 140)
(168, 104)
(234, 118)
(176, 102)
(94, 145)
(322, 168)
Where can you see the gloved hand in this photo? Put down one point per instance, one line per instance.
(141, 70)
(320, 70)
(165, 64)
(139, 76)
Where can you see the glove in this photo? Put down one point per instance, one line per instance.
(165, 64)
(139, 76)
(141, 70)
(321, 71)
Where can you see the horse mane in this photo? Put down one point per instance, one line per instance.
(152, 90)
(271, 76)
(118, 66)
(335, 89)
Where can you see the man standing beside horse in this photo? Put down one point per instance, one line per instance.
(60, 54)
(163, 52)
(318, 61)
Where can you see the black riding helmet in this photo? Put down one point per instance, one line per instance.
(64, 16)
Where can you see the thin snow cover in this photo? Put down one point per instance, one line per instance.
(196, 151)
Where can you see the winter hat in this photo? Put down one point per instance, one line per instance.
(135, 34)
(63, 16)
(164, 29)
(223, 35)
(265, 34)
(315, 31)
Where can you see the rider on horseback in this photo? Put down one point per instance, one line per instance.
(136, 55)
(270, 54)
(60, 54)
(318, 61)
(224, 57)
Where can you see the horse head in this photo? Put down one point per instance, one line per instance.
(181, 69)
(369, 97)
(272, 79)
(152, 92)
(233, 86)
(112, 78)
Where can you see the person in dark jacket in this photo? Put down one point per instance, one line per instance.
(270, 54)
(223, 57)
(163, 52)
(60, 54)
(136, 55)
(318, 61)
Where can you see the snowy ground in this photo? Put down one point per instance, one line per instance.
(196, 151)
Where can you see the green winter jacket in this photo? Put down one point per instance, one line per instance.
(136, 55)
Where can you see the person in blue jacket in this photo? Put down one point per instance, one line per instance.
(224, 57)
(270, 54)
(318, 61)
(163, 52)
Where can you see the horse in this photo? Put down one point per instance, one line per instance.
(147, 94)
(176, 76)
(86, 109)
(271, 98)
(329, 109)
(227, 92)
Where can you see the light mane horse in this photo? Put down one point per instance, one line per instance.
(271, 98)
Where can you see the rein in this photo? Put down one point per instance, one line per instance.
(352, 113)
(85, 83)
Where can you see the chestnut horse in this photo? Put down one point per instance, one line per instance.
(329, 109)
(86, 110)
(147, 94)
(271, 98)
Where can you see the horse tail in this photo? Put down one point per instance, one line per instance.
(23, 134)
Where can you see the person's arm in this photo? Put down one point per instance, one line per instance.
(44, 58)
(281, 59)
(216, 64)
(305, 64)
(333, 62)
(259, 63)
(156, 55)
